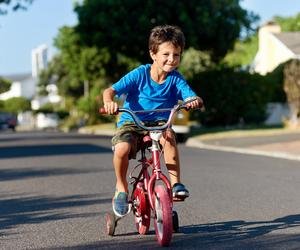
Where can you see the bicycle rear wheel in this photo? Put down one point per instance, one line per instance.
(163, 222)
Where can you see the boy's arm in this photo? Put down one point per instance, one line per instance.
(110, 105)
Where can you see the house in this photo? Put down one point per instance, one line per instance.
(25, 85)
(22, 85)
(275, 47)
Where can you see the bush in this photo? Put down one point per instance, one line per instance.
(16, 104)
(232, 96)
(276, 78)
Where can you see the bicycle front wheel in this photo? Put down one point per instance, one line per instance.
(163, 222)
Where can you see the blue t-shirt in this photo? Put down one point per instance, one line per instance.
(142, 93)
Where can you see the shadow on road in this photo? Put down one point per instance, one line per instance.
(39, 209)
(46, 135)
(49, 150)
(26, 173)
(221, 235)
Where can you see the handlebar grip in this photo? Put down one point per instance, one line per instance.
(102, 111)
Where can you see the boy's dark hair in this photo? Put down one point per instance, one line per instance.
(166, 33)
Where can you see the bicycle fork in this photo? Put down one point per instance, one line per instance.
(157, 173)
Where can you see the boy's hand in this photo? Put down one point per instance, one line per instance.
(111, 108)
(197, 103)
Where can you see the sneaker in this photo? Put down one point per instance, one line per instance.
(120, 204)
(179, 191)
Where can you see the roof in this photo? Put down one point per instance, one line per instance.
(290, 40)
(18, 77)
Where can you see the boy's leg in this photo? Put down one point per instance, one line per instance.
(171, 156)
(172, 162)
(124, 143)
(121, 161)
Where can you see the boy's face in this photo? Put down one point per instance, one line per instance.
(167, 57)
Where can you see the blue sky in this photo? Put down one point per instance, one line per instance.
(266, 9)
(22, 31)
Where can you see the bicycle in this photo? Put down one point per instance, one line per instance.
(150, 191)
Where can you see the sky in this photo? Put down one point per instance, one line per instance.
(22, 31)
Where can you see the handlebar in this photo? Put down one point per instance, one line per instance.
(140, 124)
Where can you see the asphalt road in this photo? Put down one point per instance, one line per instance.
(55, 189)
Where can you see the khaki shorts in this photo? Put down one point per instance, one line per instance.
(131, 134)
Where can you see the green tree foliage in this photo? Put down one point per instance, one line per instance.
(123, 26)
(288, 23)
(195, 61)
(243, 53)
(16, 105)
(15, 5)
(4, 85)
(111, 38)
(77, 63)
(57, 72)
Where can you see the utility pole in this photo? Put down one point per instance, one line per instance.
(86, 88)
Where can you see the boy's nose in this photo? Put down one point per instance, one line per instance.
(171, 58)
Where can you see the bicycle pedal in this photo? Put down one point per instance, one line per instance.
(179, 199)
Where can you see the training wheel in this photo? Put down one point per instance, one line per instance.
(111, 223)
(175, 222)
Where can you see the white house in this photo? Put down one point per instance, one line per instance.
(275, 47)
(25, 85)
(22, 85)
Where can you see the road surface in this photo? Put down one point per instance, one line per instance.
(55, 189)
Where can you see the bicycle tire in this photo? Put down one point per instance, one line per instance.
(163, 222)
(142, 211)
(111, 223)
(175, 222)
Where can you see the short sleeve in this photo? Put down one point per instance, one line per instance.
(126, 83)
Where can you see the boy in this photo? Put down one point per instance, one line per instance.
(148, 87)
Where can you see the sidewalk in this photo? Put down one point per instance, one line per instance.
(279, 143)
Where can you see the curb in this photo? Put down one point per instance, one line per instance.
(107, 132)
(199, 144)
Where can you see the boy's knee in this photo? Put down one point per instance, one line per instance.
(122, 149)
(169, 138)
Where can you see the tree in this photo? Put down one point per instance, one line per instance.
(289, 23)
(244, 52)
(16, 5)
(4, 85)
(292, 88)
(123, 26)
(111, 39)
(16, 105)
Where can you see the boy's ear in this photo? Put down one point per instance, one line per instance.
(151, 54)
